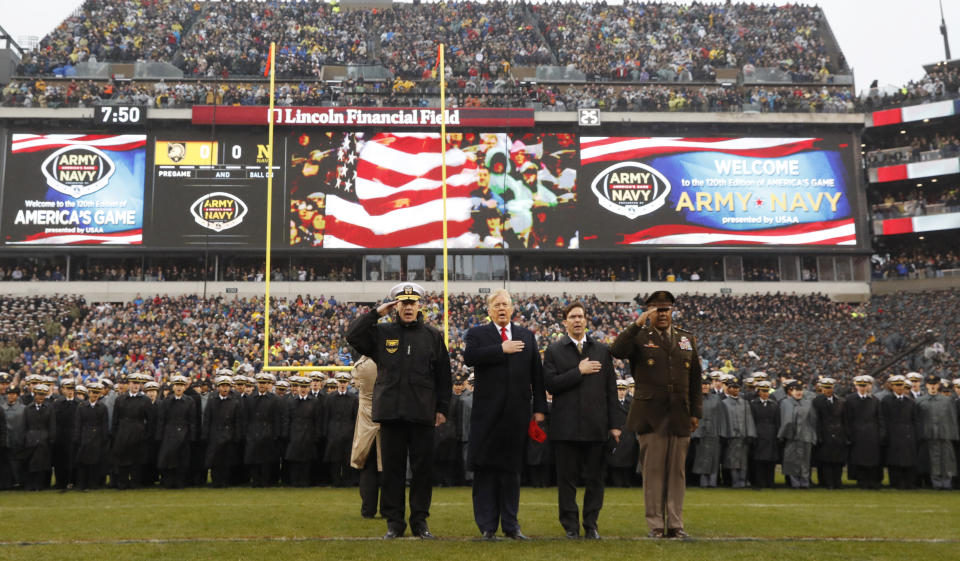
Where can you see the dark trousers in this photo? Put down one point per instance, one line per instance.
(89, 476)
(263, 474)
(299, 473)
(830, 475)
(902, 477)
(369, 485)
(540, 475)
(36, 480)
(762, 474)
(341, 474)
(496, 499)
(868, 477)
(400, 440)
(128, 477)
(9, 469)
(63, 471)
(220, 476)
(576, 459)
(175, 478)
(622, 476)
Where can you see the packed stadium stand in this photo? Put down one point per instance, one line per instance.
(594, 153)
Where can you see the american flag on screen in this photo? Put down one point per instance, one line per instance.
(389, 194)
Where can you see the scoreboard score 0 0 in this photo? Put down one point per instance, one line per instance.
(210, 192)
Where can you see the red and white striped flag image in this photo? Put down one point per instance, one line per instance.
(396, 198)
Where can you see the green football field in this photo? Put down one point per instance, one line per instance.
(320, 523)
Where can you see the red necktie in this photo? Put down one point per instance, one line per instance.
(503, 333)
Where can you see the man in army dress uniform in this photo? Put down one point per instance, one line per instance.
(666, 408)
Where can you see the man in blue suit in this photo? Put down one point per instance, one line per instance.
(508, 374)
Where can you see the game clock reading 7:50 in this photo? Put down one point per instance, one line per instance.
(119, 115)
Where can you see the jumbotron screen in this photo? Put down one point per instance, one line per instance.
(381, 190)
(716, 191)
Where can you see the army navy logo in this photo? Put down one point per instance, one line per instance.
(218, 211)
(392, 345)
(176, 151)
(78, 170)
(631, 189)
(408, 290)
(650, 362)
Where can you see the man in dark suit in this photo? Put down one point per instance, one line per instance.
(133, 417)
(508, 374)
(579, 372)
(622, 463)
(864, 428)
(830, 452)
(92, 437)
(39, 435)
(666, 408)
(341, 418)
(263, 430)
(222, 429)
(765, 451)
(900, 416)
(304, 428)
(411, 397)
(176, 430)
(66, 408)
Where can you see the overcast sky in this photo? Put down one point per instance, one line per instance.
(887, 40)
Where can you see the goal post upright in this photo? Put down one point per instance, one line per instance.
(271, 62)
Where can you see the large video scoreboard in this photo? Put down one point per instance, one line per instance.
(210, 192)
(359, 189)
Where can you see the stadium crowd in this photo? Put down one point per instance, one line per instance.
(639, 40)
(935, 85)
(916, 202)
(673, 42)
(903, 150)
(471, 92)
(63, 343)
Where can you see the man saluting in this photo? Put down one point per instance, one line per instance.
(666, 408)
(410, 398)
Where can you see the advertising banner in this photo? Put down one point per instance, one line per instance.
(67, 189)
(715, 191)
(391, 117)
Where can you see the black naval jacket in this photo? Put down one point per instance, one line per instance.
(413, 368)
(176, 430)
(91, 434)
(133, 418)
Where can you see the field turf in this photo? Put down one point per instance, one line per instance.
(320, 523)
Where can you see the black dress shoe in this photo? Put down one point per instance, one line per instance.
(573, 535)
(678, 533)
(392, 534)
(655, 533)
(518, 535)
(490, 535)
(591, 534)
(424, 534)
